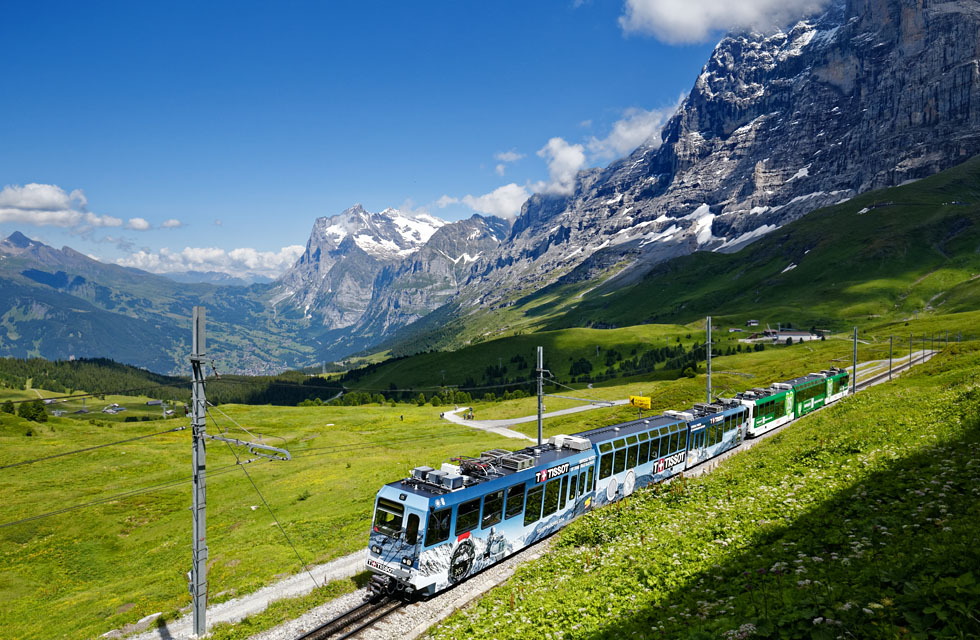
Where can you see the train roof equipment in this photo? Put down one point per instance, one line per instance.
(465, 471)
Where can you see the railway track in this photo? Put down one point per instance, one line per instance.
(355, 620)
(884, 375)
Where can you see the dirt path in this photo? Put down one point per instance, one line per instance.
(500, 426)
(234, 610)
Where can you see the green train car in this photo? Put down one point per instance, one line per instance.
(785, 401)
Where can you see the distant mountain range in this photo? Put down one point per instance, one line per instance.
(216, 277)
(869, 94)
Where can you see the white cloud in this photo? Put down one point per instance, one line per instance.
(685, 21)
(636, 127)
(138, 224)
(505, 158)
(508, 156)
(172, 223)
(47, 205)
(234, 262)
(445, 201)
(564, 162)
(504, 201)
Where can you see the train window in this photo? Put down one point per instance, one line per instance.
(590, 483)
(644, 436)
(437, 530)
(561, 493)
(515, 500)
(581, 483)
(493, 508)
(605, 447)
(619, 444)
(412, 530)
(605, 466)
(673, 441)
(532, 512)
(551, 492)
(631, 455)
(644, 452)
(683, 441)
(711, 434)
(654, 448)
(573, 486)
(631, 440)
(620, 464)
(467, 516)
(388, 517)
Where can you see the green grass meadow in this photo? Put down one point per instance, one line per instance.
(87, 571)
(90, 570)
(859, 521)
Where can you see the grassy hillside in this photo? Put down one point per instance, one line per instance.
(858, 521)
(102, 566)
(84, 572)
(887, 253)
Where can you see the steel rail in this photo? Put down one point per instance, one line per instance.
(339, 623)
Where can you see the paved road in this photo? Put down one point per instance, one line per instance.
(500, 426)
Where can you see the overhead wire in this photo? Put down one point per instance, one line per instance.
(271, 512)
(92, 448)
(118, 392)
(232, 420)
(119, 496)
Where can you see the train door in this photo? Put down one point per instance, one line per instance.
(587, 480)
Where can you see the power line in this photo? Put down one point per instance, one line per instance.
(356, 446)
(232, 420)
(345, 388)
(120, 392)
(271, 512)
(118, 496)
(93, 448)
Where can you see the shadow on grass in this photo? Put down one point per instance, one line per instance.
(892, 555)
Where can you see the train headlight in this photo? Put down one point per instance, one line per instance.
(375, 549)
(407, 561)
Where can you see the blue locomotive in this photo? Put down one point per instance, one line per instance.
(440, 526)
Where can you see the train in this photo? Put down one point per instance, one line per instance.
(437, 527)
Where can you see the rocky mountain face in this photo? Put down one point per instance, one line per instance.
(869, 94)
(434, 275)
(332, 281)
(364, 275)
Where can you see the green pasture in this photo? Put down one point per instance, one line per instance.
(90, 570)
(857, 521)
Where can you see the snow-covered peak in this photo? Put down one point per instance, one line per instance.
(387, 235)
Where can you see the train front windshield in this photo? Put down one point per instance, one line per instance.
(388, 518)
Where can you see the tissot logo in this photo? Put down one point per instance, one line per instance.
(670, 461)
(553, 472)
(380, 566)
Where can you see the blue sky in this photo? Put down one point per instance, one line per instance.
(264, 116)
